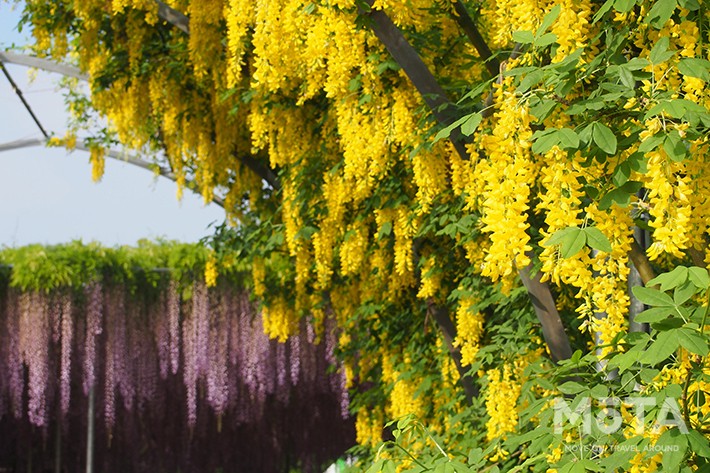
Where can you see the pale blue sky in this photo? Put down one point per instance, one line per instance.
(47, 196)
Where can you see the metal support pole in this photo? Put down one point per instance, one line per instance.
(90, 413)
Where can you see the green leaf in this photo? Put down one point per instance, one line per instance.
(671, 323)
(590, 465)
(385, 230)
(523, 37)
(545, 40)
(691, 5)
(548, 20)
(652, 297)
(651, 143)
(637, 64)
(530, 80)
(624, 6)
(665, 345)
(541, 108)
(660, 53)
(470, 125)
(573, 242)
(604, 138)
(389, 467)
(683, 293)
(597, 240)
(545, 140)
(447, 131)
(670, 280)
(699, 444)
(627, 78)
(675, 147)
(693, 342)
(621, 196)
(604, 8)
(624, 361)
(699, 277)
(673, 444)
(622, 173)
(695, 67)
(571, 387)
(568, 138)
(654, 314)
(660, 13)
(478, 90)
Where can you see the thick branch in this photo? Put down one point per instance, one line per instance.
(423, 80)
(174, 17)
(446, 325)
(261, 170)
(698, 257)
(468, 26)
(552, 328)
(641, 263)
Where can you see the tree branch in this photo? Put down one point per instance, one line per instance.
(546, 310)
(468, 26)
(640, 261)
(174, 17)
(698, 257)
(423, 80)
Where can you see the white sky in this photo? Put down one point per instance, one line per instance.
(47, 195)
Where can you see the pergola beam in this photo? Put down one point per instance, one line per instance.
(9, 57)
(111, 153)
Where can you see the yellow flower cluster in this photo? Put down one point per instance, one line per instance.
(669, 191)
(368, 427)
(430, 286)
(503, 17)
(211, 272)
(258, 274)
(405, 227)
(507, 176)
(573, 27)
(403, 398)
(502, 396)
(353, 249)
(98, 162)
(469, 330)
(279, 319)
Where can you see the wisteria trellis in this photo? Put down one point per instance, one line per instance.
(184, 378)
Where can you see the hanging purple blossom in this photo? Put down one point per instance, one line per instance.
(218, 344)
(94, 315)
(14, 355)
(190, 373)
(34, 340)
(173, 308)
(241, 390)
(201, 315)
(160, 327)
